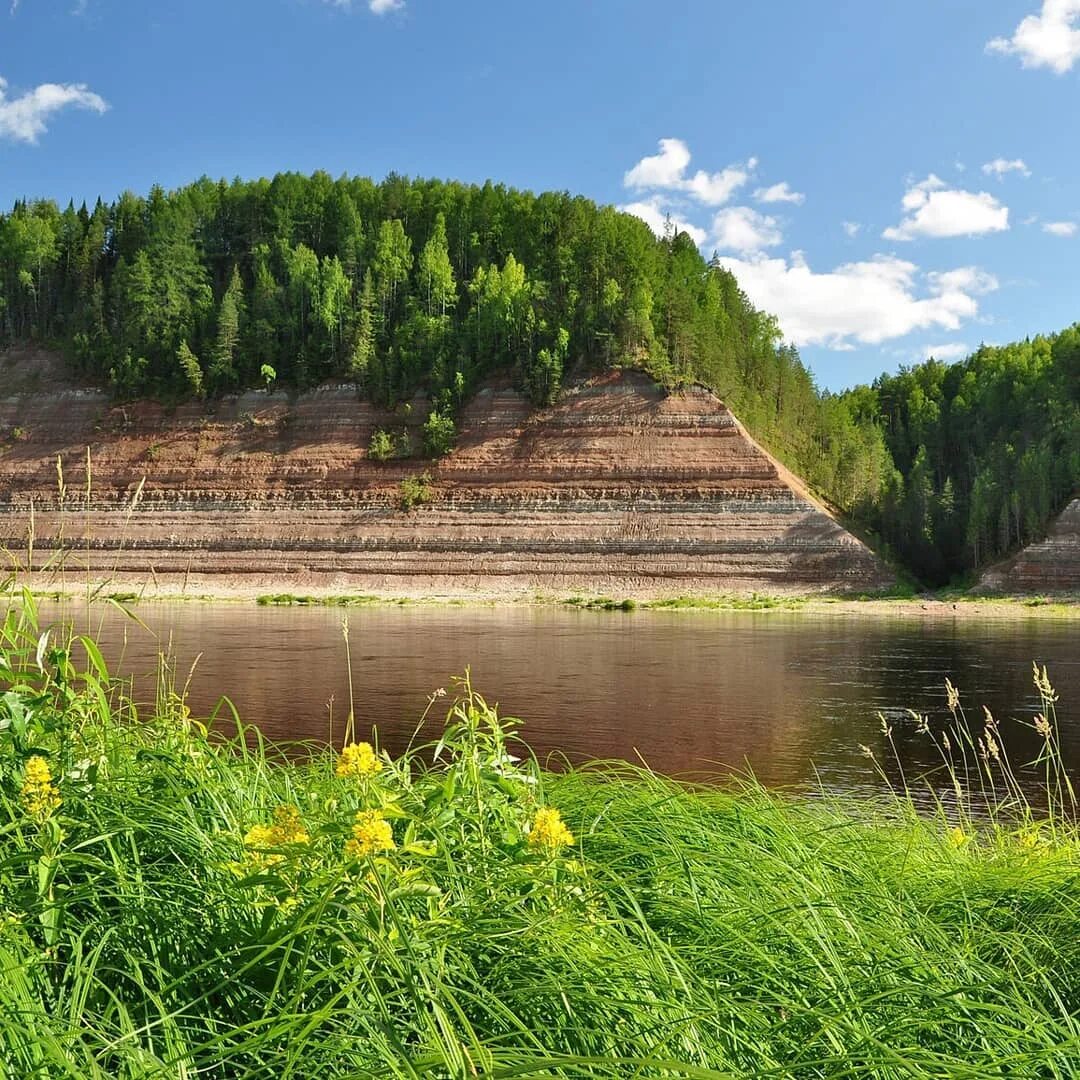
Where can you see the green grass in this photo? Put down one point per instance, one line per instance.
(600, 603)
(340, 600)
(754, 602)
(683, 932)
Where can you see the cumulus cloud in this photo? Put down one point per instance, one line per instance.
(953, 350)
(1060, 228)
(743, 229)
(663, 170)
(25, 118)
(851, 229)
(1049, 39)
(779, 193)
(666, 171)
(865, 303)
(1000, 166)
(653, 213)
(936, 210)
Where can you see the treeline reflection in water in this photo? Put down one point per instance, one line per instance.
(790, 697)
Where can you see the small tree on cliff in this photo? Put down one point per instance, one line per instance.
(439, 433)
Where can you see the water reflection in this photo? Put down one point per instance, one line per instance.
(789, 697)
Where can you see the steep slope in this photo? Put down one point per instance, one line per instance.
(619, 487)
(1051, 566)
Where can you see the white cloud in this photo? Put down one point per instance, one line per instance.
(666, 171)
(936, 210)
(652, 212)
(25, 118)
(779, 193)
(867, 302)
(743, 229)
(965, 279)
(1060, 228)
(663, 170)
(852, 228)
(1000, 166)
(714, 189)
(953, 350)
(1050, 39)
(376, 7)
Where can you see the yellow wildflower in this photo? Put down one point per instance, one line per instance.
(39, 794)
(288, 828)
(957, 837)
(358, 759)
(372, 833)
(549, 831)
(259, 836)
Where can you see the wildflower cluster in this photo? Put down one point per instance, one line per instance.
(39, 794)
(549, 831)
(372, 833)
(358, 760)
(287, 830)
(958, 837)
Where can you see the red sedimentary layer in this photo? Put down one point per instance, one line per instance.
(1050, 566)
(618, 487)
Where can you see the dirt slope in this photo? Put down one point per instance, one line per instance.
(619, 488)
(1052, 566)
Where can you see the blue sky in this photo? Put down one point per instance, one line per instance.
(888, 179)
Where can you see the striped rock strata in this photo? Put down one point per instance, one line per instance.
(1051, 566)
(620, 487)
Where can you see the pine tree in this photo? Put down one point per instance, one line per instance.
(191, 368)
(363, 353)
(223, 356)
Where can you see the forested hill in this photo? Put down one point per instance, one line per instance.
(409, 285)
(986, 451)
(406, 285)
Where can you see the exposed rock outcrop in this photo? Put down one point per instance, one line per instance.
(1051, 566)
(619, 487)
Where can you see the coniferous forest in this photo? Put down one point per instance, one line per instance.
(410, 286)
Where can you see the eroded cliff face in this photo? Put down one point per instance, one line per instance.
(1052, 566)
(618, 488)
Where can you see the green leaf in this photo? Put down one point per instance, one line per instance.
(97, 661)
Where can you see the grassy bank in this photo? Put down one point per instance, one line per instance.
(174, 905)
(942, 604)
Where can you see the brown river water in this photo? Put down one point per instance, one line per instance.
(789, 697)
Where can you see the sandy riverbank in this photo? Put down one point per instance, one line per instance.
(279, 591)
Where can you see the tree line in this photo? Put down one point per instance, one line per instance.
(407, 286)
(984, 452)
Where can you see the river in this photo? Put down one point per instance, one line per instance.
(790, 697)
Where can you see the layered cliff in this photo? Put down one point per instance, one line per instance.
(619, 487)
(1051, 566)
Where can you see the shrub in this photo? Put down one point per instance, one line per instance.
(381, 446)
(416, 491)
(439, 434)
